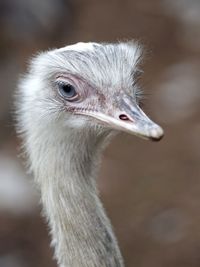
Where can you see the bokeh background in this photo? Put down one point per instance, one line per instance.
(151, 191)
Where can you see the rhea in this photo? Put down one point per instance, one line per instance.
(70, 103)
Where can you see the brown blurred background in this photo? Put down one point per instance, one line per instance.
(151, 190)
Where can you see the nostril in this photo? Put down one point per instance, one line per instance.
(124, 117)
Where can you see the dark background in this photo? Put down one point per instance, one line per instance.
(151, 191)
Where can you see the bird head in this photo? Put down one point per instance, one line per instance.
(89, 85)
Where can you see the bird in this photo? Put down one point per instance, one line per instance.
(69, 105)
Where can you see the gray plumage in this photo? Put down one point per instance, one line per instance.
(69, 105)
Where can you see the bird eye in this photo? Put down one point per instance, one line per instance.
(67, 91)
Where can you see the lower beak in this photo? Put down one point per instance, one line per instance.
(128, 117)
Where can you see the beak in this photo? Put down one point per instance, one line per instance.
(127, 116)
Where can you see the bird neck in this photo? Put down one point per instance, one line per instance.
(81, 232)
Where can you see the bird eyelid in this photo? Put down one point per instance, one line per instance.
(66, 79)
(81, 86)
(77, 79)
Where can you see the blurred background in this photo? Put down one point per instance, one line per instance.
(151, 191)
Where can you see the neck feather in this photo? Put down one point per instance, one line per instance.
(81, 232)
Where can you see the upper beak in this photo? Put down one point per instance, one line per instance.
(135, 121)
(127, 116)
